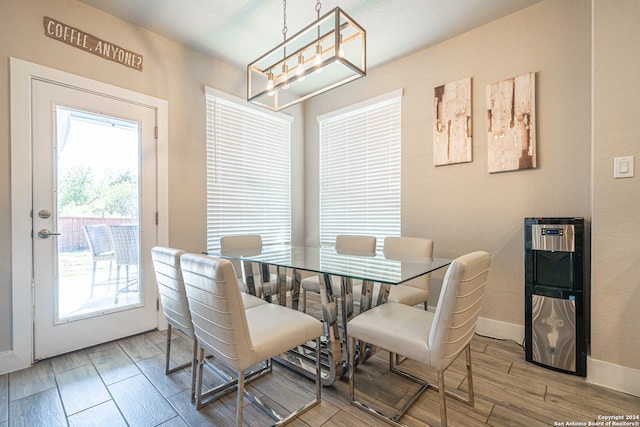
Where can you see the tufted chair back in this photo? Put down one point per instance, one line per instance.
(403, 247)
(243, 241)
(218, 314)
(241, 338)
(356, 244)
(166, 263)
(454, 322)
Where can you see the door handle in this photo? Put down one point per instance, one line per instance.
(45, 233)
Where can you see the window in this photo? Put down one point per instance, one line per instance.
(360, 169)
(248, 171)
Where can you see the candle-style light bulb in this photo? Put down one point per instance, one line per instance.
(285, 76)
(270, 84)
(318, 60)
(300, 70)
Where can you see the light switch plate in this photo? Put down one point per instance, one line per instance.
(623, 167)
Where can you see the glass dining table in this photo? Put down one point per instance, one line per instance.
(336, 309)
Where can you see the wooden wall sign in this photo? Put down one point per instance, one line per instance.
(89, 43)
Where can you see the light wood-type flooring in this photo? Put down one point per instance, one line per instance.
(123, 383)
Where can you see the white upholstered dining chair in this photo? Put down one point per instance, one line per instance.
(168, 271)
(415, 291)
(345, 243)
(246, 273)
(434, 339)
(240, 338)
(166, 264)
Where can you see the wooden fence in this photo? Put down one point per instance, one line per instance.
(72, 236)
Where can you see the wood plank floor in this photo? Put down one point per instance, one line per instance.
(123, 383)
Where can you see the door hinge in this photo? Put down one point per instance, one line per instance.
(156, 218)
(157, 304)
(155, 132)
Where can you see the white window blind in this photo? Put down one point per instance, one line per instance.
(248, 171)
(360, 170)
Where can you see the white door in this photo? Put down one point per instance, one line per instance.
(94, 217)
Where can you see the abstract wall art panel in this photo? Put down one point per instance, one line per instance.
(452, 141)
(512, 124)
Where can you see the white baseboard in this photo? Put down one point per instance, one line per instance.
(617, 377)
(500, 330)
(605, 374)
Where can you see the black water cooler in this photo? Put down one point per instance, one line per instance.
(557, 293)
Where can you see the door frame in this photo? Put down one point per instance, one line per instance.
(22, 73)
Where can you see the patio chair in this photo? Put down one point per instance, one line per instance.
(125, 240)
(100, 247)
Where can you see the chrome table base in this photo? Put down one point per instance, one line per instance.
(336, 312)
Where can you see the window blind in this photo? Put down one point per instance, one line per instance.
(360, 170)
(248, 171)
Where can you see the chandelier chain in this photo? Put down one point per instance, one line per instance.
(284, 19)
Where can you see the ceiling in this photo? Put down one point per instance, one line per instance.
(239, 31)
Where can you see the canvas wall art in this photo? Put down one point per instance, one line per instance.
(512, 124)
(452, 134)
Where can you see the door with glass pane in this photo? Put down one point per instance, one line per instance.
(94, 204)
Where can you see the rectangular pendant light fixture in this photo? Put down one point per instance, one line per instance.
(326, 54)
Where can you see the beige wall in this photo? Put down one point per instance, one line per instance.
(170, 72)
(616, 207)
(461, 206)
(464, 208)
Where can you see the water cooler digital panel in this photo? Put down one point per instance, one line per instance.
(557, 294)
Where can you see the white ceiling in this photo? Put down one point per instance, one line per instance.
(239, 31)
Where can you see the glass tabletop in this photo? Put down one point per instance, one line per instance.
(326, 260)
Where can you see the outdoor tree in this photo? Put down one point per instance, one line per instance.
(114, 194)
(77, 190)
(120, 194)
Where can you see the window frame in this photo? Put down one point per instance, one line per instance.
(357, 122)
(259, 159)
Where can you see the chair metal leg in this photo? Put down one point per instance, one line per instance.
(393, 420)
(469, 376)
(470, 400)
(117, 283)
(238, 384)
(200, 372)
(273, 413)
(168, 370)
(240, 399)
(441, 393)
(168, 350)
(203, 398)
(393, 368)
(93, 279)
(351, 368)
(318, 372)
(194, 364)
